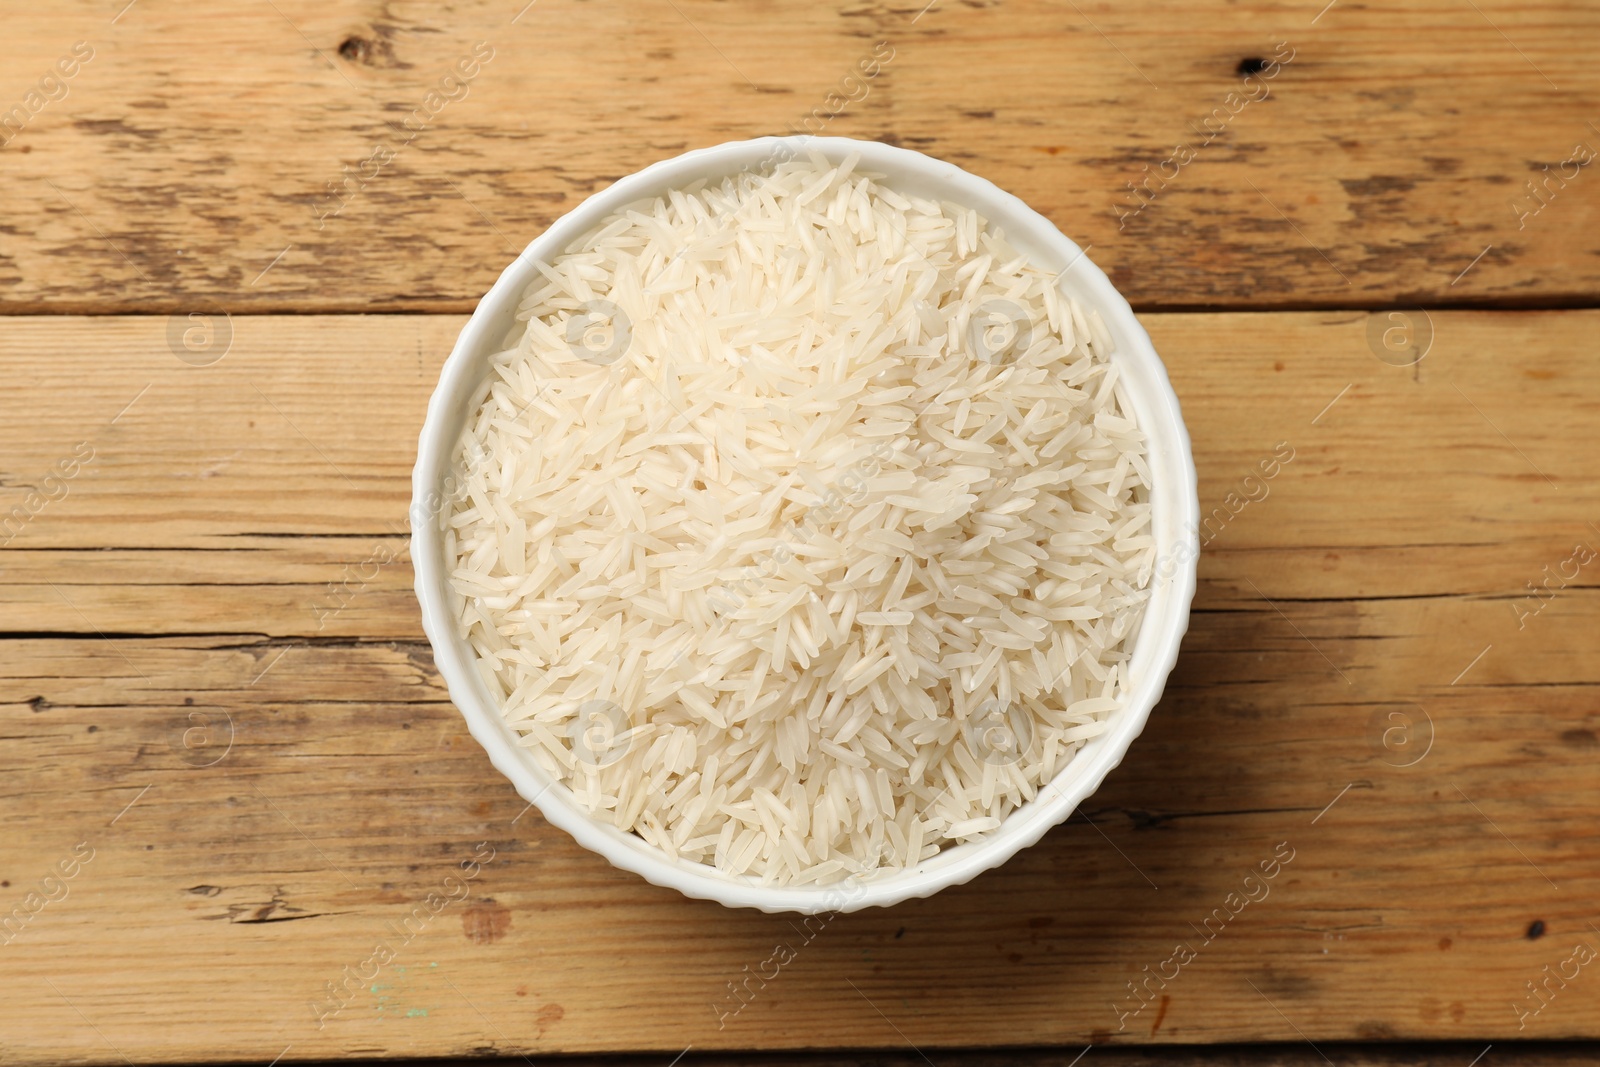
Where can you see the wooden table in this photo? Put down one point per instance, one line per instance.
(236, 246)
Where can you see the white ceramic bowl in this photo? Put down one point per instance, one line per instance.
(1145, 389)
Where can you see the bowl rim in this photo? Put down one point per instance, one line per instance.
(1157, 641)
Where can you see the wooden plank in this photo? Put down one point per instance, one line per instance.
(1365, 171)
(350, 791)
(1404, 487)
(268, 800)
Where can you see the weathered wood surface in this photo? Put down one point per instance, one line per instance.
(212, 675)
(299, 783)
(188, 164)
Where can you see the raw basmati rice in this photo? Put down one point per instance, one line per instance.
(803, 530)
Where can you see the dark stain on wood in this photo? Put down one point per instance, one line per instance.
(485, 922)
(548, 1016)
(1161, 1013)
(375, 48)
(1288, 986)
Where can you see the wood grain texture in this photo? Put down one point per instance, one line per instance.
(270, 792)
(1371, 169)
(218, 711)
